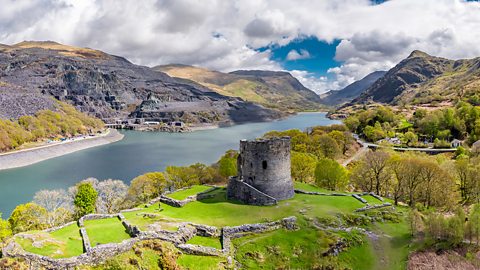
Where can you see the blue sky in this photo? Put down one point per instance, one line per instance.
(321, 55)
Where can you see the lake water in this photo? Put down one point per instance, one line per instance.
(137, 153)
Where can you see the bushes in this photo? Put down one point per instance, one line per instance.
(26, 217)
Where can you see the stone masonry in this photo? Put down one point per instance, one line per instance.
(263, 172)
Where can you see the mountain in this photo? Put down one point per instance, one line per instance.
(109, 87)
(353, 90)
(422, 78)
(273, 89)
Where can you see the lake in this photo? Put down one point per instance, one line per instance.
(137, 153)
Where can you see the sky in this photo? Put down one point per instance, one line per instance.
(326, 44)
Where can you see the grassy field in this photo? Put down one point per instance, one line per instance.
(206, 241)
(62, 243)
(372, 200)
(312, 188)
(107, 230)
(217, 211)
(386, 247)
(193, 262)
(183, 194)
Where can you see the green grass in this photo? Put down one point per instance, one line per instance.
(107, 230)
(217, 211)
(372, 200)
(312, 188)
(183, 194)
(143, 222)
(395, 245)
(282, 249)
(206, 241)
(193, 262)
(63, 243)
(360, 257)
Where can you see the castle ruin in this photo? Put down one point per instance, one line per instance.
(264, 175)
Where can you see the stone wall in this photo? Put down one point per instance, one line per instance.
(241, 191)
(370, 207)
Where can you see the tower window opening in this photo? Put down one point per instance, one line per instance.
(264, 164)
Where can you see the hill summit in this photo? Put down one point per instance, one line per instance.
(275, 89)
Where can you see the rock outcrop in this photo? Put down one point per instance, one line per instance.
(108, 86)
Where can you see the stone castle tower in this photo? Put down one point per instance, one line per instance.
(264, 175)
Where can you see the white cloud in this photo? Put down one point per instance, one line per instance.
(297, 55)
(223, 35)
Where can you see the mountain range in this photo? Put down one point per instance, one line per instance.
(273, 89)
(109, 87)
(352, 91)
(423, 79)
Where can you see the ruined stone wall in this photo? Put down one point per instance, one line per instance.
(264, 165)
(241, 191)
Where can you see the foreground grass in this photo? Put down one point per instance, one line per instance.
(360, 257)
(218, 211)
(394, 245)
(63, 243)
(104, 231)
(206, 241)
(313, 188)
(193, 262)
(183, 194)
(283, 249)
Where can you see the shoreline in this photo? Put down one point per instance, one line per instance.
(25, 157)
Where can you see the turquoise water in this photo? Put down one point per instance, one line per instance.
(137, 153)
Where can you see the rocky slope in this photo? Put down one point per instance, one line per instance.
(353, 90)
(270, 88)
(422, 78)
(108, 86)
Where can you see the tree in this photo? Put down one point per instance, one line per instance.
(378, 176)
(5, 230)
(415, 221)
(227, 165)
(111, 195)
(325, 146)
(330, 174)
(51, 200)
(303, 167)
(26, 217)
(146, 187)
(410, 138)
(474, 222)
(341, 139)
(85, 199)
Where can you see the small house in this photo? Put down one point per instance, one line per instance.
(456, 143)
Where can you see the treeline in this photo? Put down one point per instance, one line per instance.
(51, 208)
(439, 126)
(314, 154)
(66, 121)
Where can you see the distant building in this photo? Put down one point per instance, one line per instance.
(179, 124)
(456, 143)
(152, 123)
(476, 147)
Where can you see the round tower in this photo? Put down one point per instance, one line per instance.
(265, 165)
